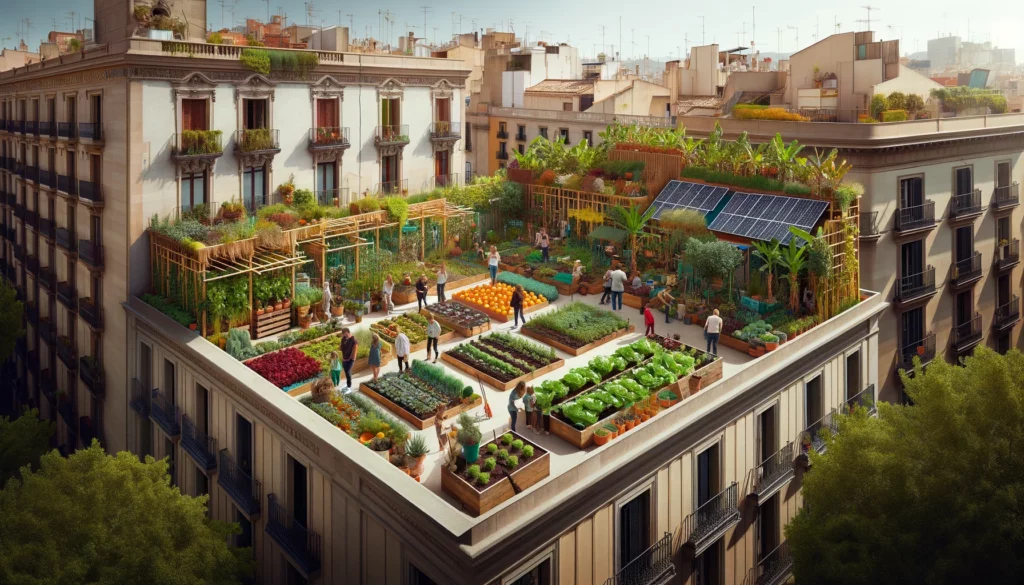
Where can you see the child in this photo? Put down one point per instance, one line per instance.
(529, 401)
(648, 321)
(335, 369)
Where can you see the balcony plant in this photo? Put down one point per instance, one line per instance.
(200, 142)
(256, 139)
(469, 437)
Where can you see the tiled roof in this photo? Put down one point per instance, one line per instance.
(574, 86)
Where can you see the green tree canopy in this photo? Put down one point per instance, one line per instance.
(10, 320)
(22, 442)
(99, 519)
(927, 494)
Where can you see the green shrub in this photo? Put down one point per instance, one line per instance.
(490, 463)
(527, 451)
(512, 462)
(483, 478)
(303, 198)
(255, 60)
(529, 285)
(239, 346)
(878, 105)
(897, 100)
(492, 448)
(517, 445)
(473, 471)
(894, 116)
(397, 208)
(755, 182)
(506, 439)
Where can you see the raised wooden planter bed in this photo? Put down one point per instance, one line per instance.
(561, 287)
(580, 350)
(411, 418)
(575, 437)
(406, 294)
(632, 300)
(301, 390)
(494, 382)
(364, 363)
(502, 317)
(734, 343)
(271, 323)
(463, 331)
(477, 502)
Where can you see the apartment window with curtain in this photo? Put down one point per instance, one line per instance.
(254, 114)
(326, 174)
(327, 113)
(254, 188)
(193, 190)
(391, 117)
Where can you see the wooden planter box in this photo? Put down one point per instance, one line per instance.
(734, 343)
(271, 323)
(577, 351)
(411, 418)
(575, 437)
(494, 382)
(632, 300)
(401, 296)
(463, 331)
(301, 390)
(502, 317)
(478, 502)
(561, 287)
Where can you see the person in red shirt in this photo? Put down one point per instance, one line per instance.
(649, 320)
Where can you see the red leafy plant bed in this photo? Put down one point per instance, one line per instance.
(286, 367)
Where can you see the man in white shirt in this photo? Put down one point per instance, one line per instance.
(712, 331)
(402, 348)
(618, 278)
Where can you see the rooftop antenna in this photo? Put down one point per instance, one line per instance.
(835, 21)
(602, 37)
(868, 19)
(74, 21)
(701, 30)
(351, 23)
(221, 2)
(426, 9)
(797, 29)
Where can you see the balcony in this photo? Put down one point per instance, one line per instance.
(195, 151)
(139, 401)
(652, 567)
(91, 253)
(390, 140)
(246, 492)
(773, 473)
(66, 409)
(90, 370)
(501, 155)
(966, 205)
(300, 544)
(256, 147)
(520, 136)
(89, 431)
(865, 398)
(48, 386)
(90, 193)
(32, 313)
(451, 180)
(90, 313)
(1007, 254)
(869, 226)
(31, 264)
(67, 352)
(32, 127)
(47, 331)
(67, 186)
(90, 131)
(66, 131)
(32, 218)
(444, 135)
(710, 521)
(47, 129)
(390, 188)
(813, 437)
(46, 227)
(30, 173)
(966, 271)
(66, 240)
(16, 126)
(967, 335)
(774, 569)
(47, 278)
(916, 286)
(165, 414)
(202, 447)
(328, 143)
(502, 134)
(923, 349)
(915, 219)
(334, 197)
(1006, 197)
(48, 179)
(1007, 315)
(33, 362)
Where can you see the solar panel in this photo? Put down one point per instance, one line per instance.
(685, 195)
(767, 217)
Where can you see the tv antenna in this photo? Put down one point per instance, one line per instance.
(426, 9)
(311, 11)
(74, 21)
(867, 21)
(797, 29)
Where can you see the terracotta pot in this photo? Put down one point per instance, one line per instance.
(286, 304)
(405, 470)
(644, 417)
(417, 468)
(601, 440)
(192, 326)
(365, 438)
(920, 350)
(278, 306)
(260, 312)
(621, 427)
(630, 424)
(222, 342)
(771, 346)
(337, 311)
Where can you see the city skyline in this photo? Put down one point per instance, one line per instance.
(593, 27)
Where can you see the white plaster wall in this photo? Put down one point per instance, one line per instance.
(513, 85)
(225, 183)
(293, 117)
(361, 113)
(159, 178)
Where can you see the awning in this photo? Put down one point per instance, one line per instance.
(609, 233)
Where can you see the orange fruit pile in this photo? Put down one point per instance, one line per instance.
(497, 298)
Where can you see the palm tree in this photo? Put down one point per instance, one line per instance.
(633, 223)
(793, 260)
(771, 256)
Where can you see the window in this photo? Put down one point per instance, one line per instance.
(194, 115)
(326, 174)
(964, 310)
(911, 192)
(390, 171)
(963, 181)
(814, 408)
(588, 136)
(1003, 290)
(95, 231)
(964, 243)
(243, 444)
(244, 539)
(912, 329)
(418, 577)
(169, 381)
(293, 577)
(95, 168)
(566, 106)
(96, 109)
(255, 113)
(202, 484)
(503, 148)
(707, 475)
(72, 111)
(539, 574)
(912, 262)
(442, 163)
(297, 496)
(202, 409)
(707, 569)
(443, 110)
(1002, 175)
(544, 132)
(469, 137)
(853, 383)
(1003, 229)
(390, 112)
(193, 190)
(767, 527)
(634, 528)
(254, 187)
(502, 128)
(767, 430)
(521, 132)
(564, 133)
(1003, 343)
(522, 149)
(327, 113)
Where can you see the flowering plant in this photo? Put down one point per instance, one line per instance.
(286, 367)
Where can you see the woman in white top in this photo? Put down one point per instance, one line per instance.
(442, 279)
(389, 289)
(492, 264)
(402, 347)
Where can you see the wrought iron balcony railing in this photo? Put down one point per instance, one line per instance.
(90, 312)
(66, 130)
(328, 138)
(90, 131)
(813, 437)
(451, 180)
(243, 489)
(1008, 314)
(67, 185)
(387, 188)
(1008, 254)
(502, 134)
(445, 131)
(966, 271)
(67, 352)
(711, 520)
(47, 278)
(32, 127)
(1006, 196)
(89, 430)
(916, 217)
(965, 204)
(297, 541)
(772, 473)
(774, 569)
(47, 128)
(66, 240)
(47, 178)
(923, 349)
(197, 144)
(257, 140)
(46, 227)
(865, 398)
(501, 155)
(869, 224)
(916, 285)
(90, 192)
(165, 413)
(650, 567)
(202, 447)
(332, 196)
(91, 253)
(967, 334)
(90, 370)
(391, 135)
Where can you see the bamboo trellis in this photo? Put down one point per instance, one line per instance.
(554, 203)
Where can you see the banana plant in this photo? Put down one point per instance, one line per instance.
(793, 260)
(785, 156)
(770, 254)
(633, 223)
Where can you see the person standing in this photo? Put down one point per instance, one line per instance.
(442, 433)
(327, 296)
(713, 329)
(607, 287)
(516, 302)
(577, 271)
(544, 241)
(335, 369)
(388, 290)
(493, 258)
(529, 406)
(618, 278)
(663, 299)
(374, 356)
(513, 410)
(421, 292)
(349, 350)
(442, 279)
(402, 347)
(648, 320)
(433, 332)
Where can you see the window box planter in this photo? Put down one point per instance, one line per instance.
(503, 485)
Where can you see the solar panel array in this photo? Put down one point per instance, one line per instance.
(767, 217)
(683, 195)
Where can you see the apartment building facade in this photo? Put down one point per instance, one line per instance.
(94, 147)
(940, 227)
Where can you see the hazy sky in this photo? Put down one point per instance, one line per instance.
(671, 25)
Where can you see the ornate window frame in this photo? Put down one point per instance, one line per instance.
(194, 86)
(255, 87)
(327, 88)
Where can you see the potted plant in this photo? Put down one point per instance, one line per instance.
(667, 398)
(601, 436)
(232, 210)
(337, 306)
(259, 308)
(416, 449)
(380, 445)
(771, 342)
(287, 190)
(920, 350)
(469, 437)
